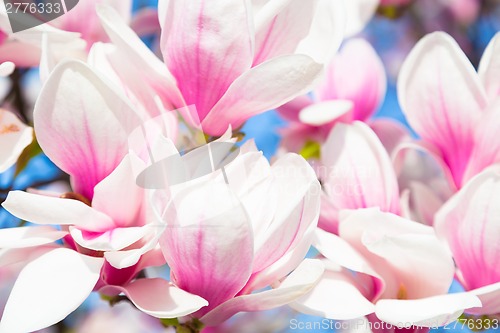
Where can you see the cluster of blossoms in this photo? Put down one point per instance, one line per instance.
(158, 178)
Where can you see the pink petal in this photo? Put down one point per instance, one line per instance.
(442, 98)
(87, 142)
(297, 284)
(90, 29)
(490, 299)
(264, 87)
(421, 161)
(160, 299)
(62, 278)
(470, 223)
(41, 209)
(356, 74)
(326, 32)
(291, 110)
(297, 209)
(390, 132)
(112, 240)
(423, 203)
(29, 236)
(286, 264)
(14, 137)
(489, 68)
(355, 227)
(323, 113)
(279, 27)
(404, 252)
(206, 48)
(339, 252)
(133, 59)
(486, 150)
(21, 54)
(208, 242)
(359, 173)
(428, 312)
(118, 195)
(336, 296)
(126, 258)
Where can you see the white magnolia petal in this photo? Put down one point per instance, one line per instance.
(323, 113)
(29, 236)
(489, 67)
(358, 13)
(336, 296)
(62, 278)
(490, 299)
(428, 312)
(161, 299)
(42, 209)
(112, 240)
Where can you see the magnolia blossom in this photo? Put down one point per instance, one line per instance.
(352, 89)
(242, 228)
(391, 258)
(230, 60)
(469, 223)
(450, 105)
(453, 109)
(107, 235)
(356, 172)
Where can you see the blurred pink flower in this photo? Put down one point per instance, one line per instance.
(353, 88)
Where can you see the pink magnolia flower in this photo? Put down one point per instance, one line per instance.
(380, 264)
(238, 230)
(14, 137)
(105, 224)
(231, 60)
(469, 223)
(451, 106)
(352, 89)
(356, 172)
